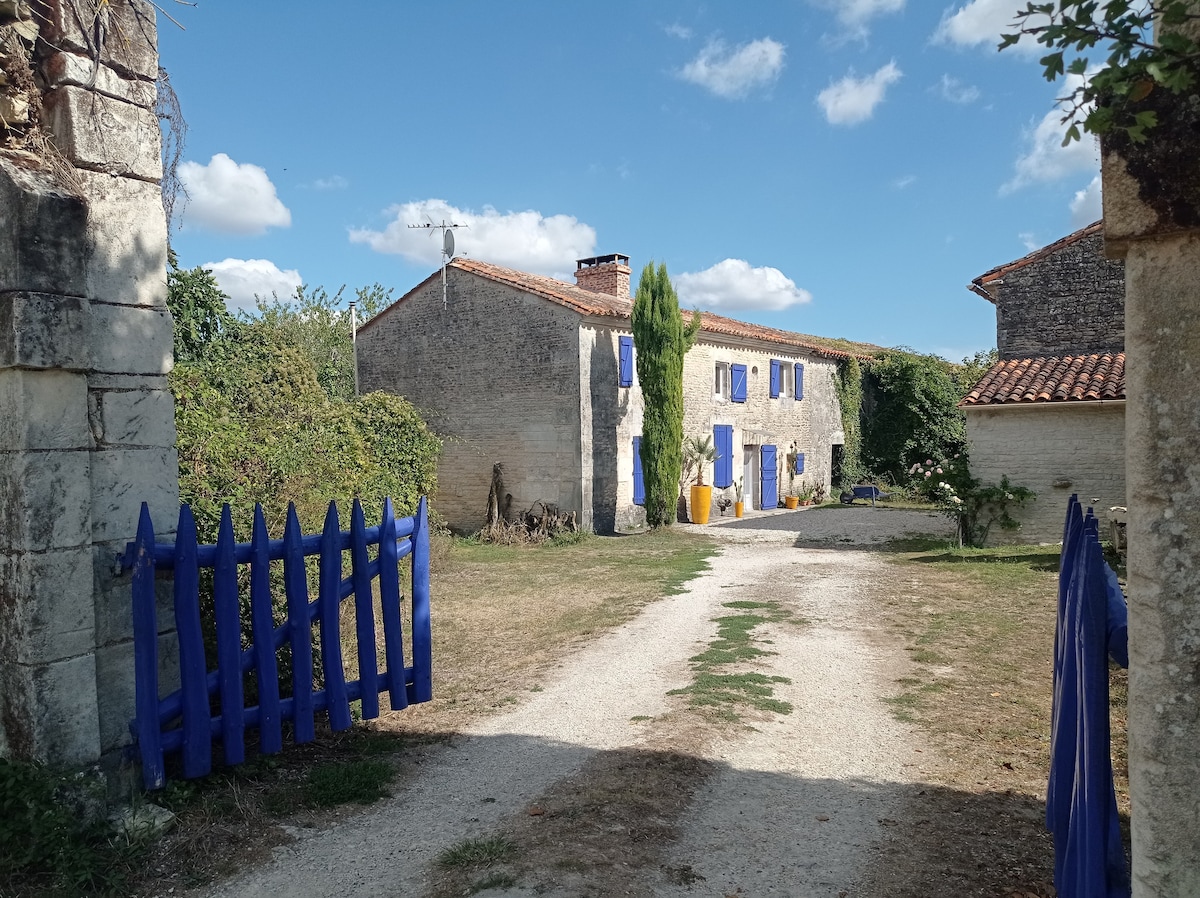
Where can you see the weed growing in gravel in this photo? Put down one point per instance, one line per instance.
(477, 853)
(724, 692)
(360, 782)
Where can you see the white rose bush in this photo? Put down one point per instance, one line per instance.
(972, 505)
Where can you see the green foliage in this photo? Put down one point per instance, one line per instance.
(265, 412)
(477, 852)
(975, 507)
(315, 326)
(915, 414)
(661, 340)
(970, 371)
(849, 386)
(1135, 66)
(361, 781)
(197, 306)
(50, 844)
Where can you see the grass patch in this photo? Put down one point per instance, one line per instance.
(724, 693)
(494, 881)
(472, 853)
(359, 782)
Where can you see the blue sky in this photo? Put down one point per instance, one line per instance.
(834, 167)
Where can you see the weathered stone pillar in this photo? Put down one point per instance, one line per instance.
(86, 420)
(1152, 221)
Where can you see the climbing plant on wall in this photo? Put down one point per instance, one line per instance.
(848, 384)
(661, 340)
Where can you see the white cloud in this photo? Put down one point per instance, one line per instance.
(904, 181)
(853, 100)
(1028, 240)
(243, 279)
(1087, 206)
(855, 15)
(337, 182)
(982, 22)
(732, 73)
(733, 284)
(1045, 158)
(679, 31)
(955, 91)
(231, 197)
(528, 240)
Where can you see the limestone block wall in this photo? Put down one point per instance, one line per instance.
(611, 416)
(1055, 450)
(87, 430)
(1072, 302)
(497, 374)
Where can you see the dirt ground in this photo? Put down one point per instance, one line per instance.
(611, 779)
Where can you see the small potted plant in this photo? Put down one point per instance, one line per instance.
(697, 453)
(738, 506)
(805, 494)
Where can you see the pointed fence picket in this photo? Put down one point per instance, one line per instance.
(184, 721)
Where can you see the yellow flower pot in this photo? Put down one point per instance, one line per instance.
(738, 508)
(791, 501)
(701, 504)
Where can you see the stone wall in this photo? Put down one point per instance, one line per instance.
(87, 431)
(1054, 450)
(1071, 302)
(496, 373)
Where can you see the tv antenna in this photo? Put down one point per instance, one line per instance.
(447, 245)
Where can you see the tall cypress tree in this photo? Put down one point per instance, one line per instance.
(661, 341)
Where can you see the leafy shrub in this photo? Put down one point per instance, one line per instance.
(50, 844)
(974, 506)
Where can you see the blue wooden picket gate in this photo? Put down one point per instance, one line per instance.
(1081, 804)
(184, 721)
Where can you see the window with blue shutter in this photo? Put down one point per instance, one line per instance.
(799, 381)
(639, 486)
(769, 483)
(737, 388)
(776, 370)
(799, 463)
(723, 443)
(625, 364)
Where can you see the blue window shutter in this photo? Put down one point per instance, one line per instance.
(776, 371)
(723, 443)
(625, 369)
(799, 381)
(799, 462)
(769, 493)
(639, 486)
(737, 375)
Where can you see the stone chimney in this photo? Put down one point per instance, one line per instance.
(604, 274)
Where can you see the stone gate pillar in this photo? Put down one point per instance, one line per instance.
(87, 426)
(1152, 221)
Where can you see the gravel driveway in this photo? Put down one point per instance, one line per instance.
(794, 804)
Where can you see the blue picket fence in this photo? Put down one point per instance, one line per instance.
(184, 720)
(1081, 804)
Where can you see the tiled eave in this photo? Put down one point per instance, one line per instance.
(1044, 381)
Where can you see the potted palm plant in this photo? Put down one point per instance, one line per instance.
(738, 506)
(698, 452)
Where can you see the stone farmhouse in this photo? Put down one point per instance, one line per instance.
(1051, 412)
(539, 376)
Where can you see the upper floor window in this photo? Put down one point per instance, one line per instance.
(721, 381)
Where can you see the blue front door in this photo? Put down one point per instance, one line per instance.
(770, 479)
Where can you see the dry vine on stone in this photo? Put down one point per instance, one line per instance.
(535, 525)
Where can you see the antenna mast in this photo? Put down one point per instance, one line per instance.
(447, 246)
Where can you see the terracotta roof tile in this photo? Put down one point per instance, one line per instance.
(589, 302)
(998, 273)
(1081, 378)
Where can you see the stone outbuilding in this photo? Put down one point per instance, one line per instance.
(1051, 412)
(539, 376)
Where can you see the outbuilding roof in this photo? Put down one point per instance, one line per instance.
(1080, 378)
(980, 283)
(590, 302)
